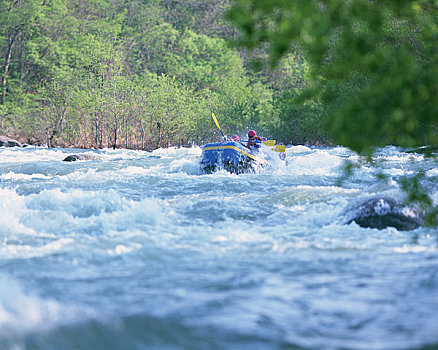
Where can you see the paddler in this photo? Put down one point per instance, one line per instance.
(254, 140)
(234, 138)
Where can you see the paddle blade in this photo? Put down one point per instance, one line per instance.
(269, 143)
(215, 120)
(279, 148)
(217, 124)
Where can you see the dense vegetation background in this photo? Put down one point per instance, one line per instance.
(141, 74)
(374, 63)
(149, 73)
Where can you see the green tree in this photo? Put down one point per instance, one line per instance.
(210, 68)
(148, 38)
(55, 111)
(301, 123)
(137, 73)
(385, 50)
(27, 42)
(199, 16)
(175, 110)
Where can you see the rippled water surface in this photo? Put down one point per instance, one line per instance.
(138, 250)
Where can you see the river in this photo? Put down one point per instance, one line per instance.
(140, 250)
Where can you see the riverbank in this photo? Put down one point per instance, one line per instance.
(21, 141)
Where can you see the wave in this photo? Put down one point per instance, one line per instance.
(22, 312)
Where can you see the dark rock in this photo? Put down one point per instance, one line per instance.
(385, 212)
(8, 142)
(71, 158)
(75, 157)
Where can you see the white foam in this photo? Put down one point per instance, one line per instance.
(407, 248)
(432, 172)
(134, 170)
(76, 202)
(149, 211)
(13, 176)
(298, 149)
(12, 209)
(397, 172)
(25, 155)
(56, 222)
(342, 152)
(325, 190)
(175, 151)
(21, 311)
(25, 251)
(123, 249)
(117, 154)
(320, 162)
(186, 165)
(400, 158)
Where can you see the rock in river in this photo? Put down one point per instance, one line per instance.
(75, 157)
(385, 212)
(8, 142)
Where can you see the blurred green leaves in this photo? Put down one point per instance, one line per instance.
(378, 61)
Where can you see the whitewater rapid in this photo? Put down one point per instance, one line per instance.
(141, 250)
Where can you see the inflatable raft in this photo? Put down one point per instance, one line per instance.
(231, 156)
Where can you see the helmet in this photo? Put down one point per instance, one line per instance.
(235, 138)
(251, 134)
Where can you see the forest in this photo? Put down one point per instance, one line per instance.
(145, 74)
(140, 74)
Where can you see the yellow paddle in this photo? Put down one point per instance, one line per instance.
(279, 148)
(269, 143)
(217, 124)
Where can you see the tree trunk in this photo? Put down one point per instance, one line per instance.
(159, 133)
(21, 60)
(115, 134)
(11, 41)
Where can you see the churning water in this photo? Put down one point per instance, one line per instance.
(137, 250)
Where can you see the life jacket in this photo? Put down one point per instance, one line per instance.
(253, 143)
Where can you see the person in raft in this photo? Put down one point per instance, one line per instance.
(254, 140)
(234, 138)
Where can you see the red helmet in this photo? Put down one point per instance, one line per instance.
(235, 138)
(251, 134)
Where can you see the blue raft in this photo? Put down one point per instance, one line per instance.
(231, 156)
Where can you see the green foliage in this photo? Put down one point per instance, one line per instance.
(141, 74)
(200, 16)
(390, 45)
(215, 72)
(202, 62)
(301, 123)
